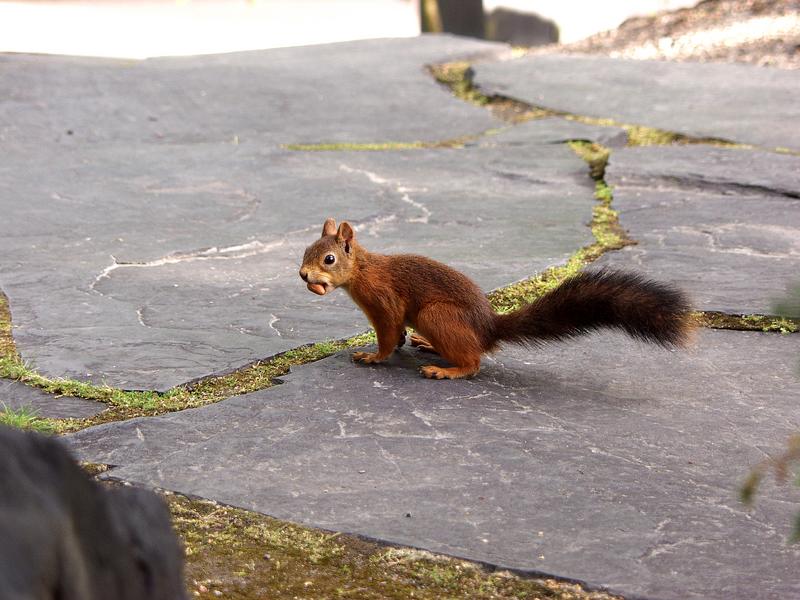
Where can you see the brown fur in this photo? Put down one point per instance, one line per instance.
(454, 318)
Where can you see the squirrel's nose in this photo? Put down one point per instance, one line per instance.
(304, 275)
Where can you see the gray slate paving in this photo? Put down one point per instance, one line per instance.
(555, 130)
(366, 91)
(723, 224)
(146, 268)
(739, 103)
(600, 460)
(15, 396)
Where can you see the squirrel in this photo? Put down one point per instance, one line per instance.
(453, 317)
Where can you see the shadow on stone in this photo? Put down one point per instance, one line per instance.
(519, 28)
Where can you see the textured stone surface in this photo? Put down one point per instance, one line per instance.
(15, 396)
(723, 224)
(145, 269)
(555, 130)
(740, 103)
(600, 460)
(374, 90)
(153, 226)
(149, 269)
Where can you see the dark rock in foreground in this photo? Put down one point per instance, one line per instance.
(66, 537)
(601, 460)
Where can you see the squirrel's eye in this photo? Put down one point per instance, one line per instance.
(330, 259)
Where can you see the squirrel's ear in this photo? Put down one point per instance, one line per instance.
(329, 228)
(345, 233)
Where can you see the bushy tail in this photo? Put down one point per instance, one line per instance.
(644, 309)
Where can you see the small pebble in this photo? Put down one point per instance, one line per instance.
(266, 556)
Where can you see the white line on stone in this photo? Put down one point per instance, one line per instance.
(273, 319)
(399, 188)
(214, 253)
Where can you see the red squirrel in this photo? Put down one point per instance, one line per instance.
(453, 317)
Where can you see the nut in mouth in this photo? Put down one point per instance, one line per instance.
(319, 288)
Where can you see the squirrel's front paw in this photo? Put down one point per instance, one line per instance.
(367, 358)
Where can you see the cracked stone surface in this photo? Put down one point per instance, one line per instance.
(601, 460)
(16, 396)
(366, 91)
(146, 268)
(740, 103)
(555, 130)
(723, 224)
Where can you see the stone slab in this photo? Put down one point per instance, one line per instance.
(740, 103)
(15, 396)
(144, 268)
(723, 224)
(601, 460)
(365, 91)
(707, 168)
(555, 130)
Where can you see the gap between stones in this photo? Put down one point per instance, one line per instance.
(235, 553)
(458, 78)
(262, 374)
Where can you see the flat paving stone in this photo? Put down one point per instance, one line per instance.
(365, 91)
(723, 224)
(146, 268)
(555, 130)
(601, 460)
(740, 103)
(15, 396)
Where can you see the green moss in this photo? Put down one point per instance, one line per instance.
(766, 323)
(457, 77)
(27, 419)
(607, 232)
(244, 555)
(458, 142)
(125, 404)
(355, 146)
(596, 157)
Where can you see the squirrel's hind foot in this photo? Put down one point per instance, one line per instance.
(434, 372)
(367, 358)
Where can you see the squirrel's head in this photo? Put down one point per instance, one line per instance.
(328, 262)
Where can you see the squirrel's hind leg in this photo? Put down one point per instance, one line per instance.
(422, 343)
(446, 331)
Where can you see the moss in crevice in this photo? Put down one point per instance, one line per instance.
(125, 404)
(607, 232)
(355, 146)
(766, 323)
(257, 376)
(458, 77)
(244, 555)
(453, 143)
